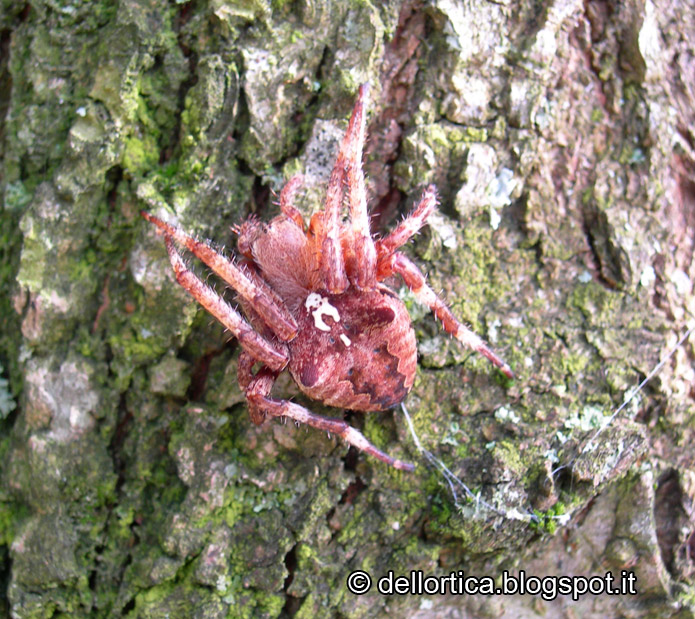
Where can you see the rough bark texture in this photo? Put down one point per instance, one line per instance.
(560, 138)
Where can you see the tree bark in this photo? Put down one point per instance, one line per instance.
(559, 136)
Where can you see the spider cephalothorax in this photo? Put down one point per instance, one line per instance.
(315, 304)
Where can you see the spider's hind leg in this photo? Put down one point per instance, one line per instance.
(260, 404)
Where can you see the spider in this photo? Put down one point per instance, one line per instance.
(315, 303)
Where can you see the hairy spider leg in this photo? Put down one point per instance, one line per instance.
(257, 392)
(248, 310)
(273, 313)
(274, 356)
(332, 266)
(415, 280)
(244, 372)
(245, 377)
(289, 191)
(363, 245)
(408, 228)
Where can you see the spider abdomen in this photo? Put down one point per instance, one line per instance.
(354, 350)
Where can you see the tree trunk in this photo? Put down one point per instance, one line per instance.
(559, 136)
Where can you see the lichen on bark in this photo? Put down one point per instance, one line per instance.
(560, 140)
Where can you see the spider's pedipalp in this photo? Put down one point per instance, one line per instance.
(409, 227)
(275, 315)
(257, 346)
(415, 280)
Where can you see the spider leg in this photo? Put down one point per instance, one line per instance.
(261, 382)
(260, 404)
(415, 280)
(409, 227)
(275, 357)
(287, 197)
(331, 266)
(363, 246)
(244, 371)
(331, 263)
(275, 315)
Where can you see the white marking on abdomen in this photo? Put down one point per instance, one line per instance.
(320, 307)
(345, 339)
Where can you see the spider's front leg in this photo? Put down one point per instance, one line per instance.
(274, 356)
(348, 164)
(274, 314)
(364, 270)
(258, 389)
(406, 230)
(415, 280)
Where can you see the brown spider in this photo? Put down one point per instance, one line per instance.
(315, 304)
